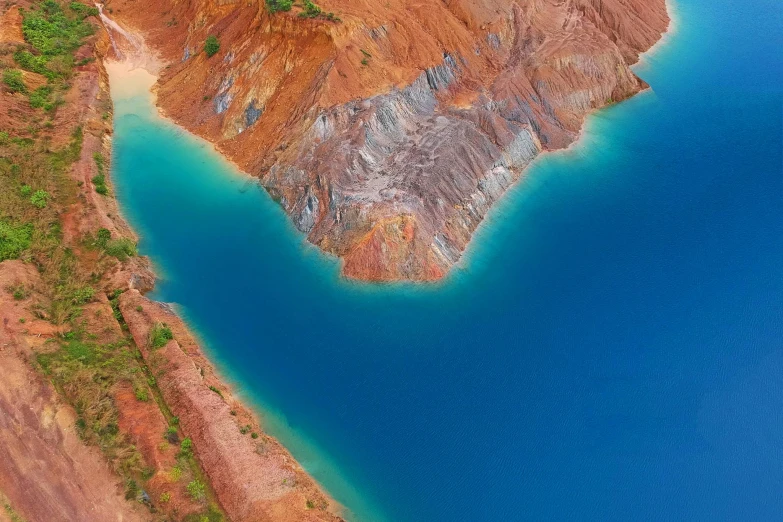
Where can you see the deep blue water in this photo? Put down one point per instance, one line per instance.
(611, 349)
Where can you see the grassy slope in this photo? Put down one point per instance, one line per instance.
(85, 363)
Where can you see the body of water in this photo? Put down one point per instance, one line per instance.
(611, 348)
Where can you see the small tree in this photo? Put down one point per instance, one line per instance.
(197, 490)
(39, 198)
(212, 46)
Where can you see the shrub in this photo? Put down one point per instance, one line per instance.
(26, 190)
(197, 490)
(122, 248)
(310, 10)
(160, 335)
(40, 98)
(131, 490)
(141, 394)
(83, 10)
(39, 198)
(14, 239)
(165, 497)
(171, 435)
(19, 293)
(4, 137)
(175, 474)
(31, 62)
(12, 79)
(216, 391)
(279, 5)
(83, 295)
(102, 237)
(185, 449)
(99, 180)
(212, 46)
(100, 184)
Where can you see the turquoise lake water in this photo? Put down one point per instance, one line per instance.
(611, 348)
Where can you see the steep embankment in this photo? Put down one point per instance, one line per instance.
(103, 419)
(388, 134)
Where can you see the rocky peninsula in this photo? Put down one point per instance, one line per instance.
(387, 130)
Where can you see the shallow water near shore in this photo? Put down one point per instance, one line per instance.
(611, 348)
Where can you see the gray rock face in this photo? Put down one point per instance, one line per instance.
(307, 215)
(252, 113)
(407, 155)
(224, 95)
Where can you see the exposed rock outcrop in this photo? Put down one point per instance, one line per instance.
(388, 135)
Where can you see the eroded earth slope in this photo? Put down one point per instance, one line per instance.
(387, 134)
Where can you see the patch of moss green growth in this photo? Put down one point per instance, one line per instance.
(197, 490)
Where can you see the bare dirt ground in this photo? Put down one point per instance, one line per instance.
(46, 472)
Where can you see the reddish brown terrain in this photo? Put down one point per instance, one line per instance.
(388, 134)
(93, 420)
(46, 471)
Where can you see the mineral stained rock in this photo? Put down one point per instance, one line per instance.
(388, 134)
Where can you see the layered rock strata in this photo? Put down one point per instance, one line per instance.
(388, 135)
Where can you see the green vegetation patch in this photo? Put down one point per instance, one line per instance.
(52, 32)
(14, 239)
(40, 98)
(211, 46)
(310, 10)
(121, 248)
(197, 490)
(83, 10)
(160, 335)
(85, 373)
(279, 5)
(12, 78)
(40, 198)
(99, 180)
